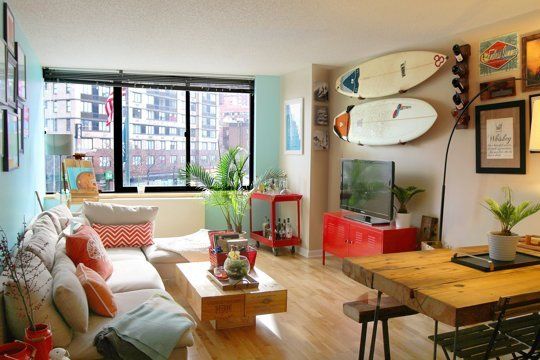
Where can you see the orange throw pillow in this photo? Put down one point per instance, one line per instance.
(86, 247)
(99, 295)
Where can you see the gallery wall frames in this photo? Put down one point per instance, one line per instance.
(9, 29)
(11, 140)
(530, 62)
(534, 113)
(499, 54)
(294, 126)
(21, 72)
(500, 138)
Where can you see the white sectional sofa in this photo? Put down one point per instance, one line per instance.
(133, 281)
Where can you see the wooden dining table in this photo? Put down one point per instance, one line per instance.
(431, 284)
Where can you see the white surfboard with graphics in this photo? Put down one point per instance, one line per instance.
(385, 122)
(389, 74)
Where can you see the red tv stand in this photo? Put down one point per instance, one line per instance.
(343, 237)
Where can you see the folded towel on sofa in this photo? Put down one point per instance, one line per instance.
(192, 242)
(150, 331)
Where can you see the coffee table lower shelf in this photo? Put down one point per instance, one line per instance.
(227, 309)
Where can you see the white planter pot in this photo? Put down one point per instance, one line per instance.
(502, 248)
(403, 220)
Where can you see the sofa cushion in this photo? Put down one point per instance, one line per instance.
(125, 235)
(61, 260)
(125, 253)
(86, 247)
(82, 346)
(130, 275)
(45, 221)
(63, 213)
(99, 295)
(42, 244)
(111, 214)
(159, 256)
(70, 299)
(42, 288)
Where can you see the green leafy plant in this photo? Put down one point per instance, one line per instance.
(508, 214)
(224, 187)
(404, 195)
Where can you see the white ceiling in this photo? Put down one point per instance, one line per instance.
(244, 37)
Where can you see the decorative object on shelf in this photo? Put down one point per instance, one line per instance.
(460, 82)
(218, 255)
(500, 138)
(21, 72)
(11, 140)
(236, 265)
(428, 229)
(21, 283)
(499, 54)
(534, 107)
(385, 122)
(11, 81)
(320, 140)
(294, 126)
(225, 283)
(320, 91)
(404, 195)
(321, 115)
(9, 29)
(530, 62)
(389, 74)
(502, 244)
(224, 188)
(17, 350)
(500, 88)
(3, 72)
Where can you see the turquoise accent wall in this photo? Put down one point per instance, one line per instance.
(267, 142)
(17, 187)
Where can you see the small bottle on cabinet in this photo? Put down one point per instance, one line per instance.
(288, 229)
(265, 227)
(278, 229)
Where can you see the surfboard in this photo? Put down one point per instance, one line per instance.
(389, 74)
(385, 122)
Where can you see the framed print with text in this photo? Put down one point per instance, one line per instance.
(500, 138)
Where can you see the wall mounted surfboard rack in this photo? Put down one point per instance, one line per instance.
(460, 83)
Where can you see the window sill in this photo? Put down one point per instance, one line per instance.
(156, 195)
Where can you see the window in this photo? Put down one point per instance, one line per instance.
(141, 147)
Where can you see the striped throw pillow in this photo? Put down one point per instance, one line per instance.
(135, 235)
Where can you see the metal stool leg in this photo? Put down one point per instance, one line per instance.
(386, 339)
(435, 340)
(363, 335)
(375, 323)
(455, 343)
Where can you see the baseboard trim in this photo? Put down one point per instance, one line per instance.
(309, 253)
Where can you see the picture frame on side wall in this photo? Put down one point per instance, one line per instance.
(9, 29)
(20, 115)
(530, 62)
(294, 126)
(26, 121)
(500, 138)
(11, 140)
(3, 72)
(11, 81)
(21, 72)
(534, 107)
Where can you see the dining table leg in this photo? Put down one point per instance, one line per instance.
(454, 357)
(435, 340)
(375, 320)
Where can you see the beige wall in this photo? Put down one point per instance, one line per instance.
(420, 162)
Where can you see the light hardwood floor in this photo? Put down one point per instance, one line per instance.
(314, 326)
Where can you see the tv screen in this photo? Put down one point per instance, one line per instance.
(366, 187)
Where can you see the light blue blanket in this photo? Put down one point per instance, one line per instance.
(154, 328)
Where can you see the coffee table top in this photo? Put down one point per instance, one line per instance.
(196, 274)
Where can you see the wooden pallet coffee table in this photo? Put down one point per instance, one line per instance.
(229, 309)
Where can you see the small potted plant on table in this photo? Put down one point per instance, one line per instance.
(404, 195)
(503, 244)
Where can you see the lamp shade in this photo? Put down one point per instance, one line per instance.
(58, 144)
(534, 144)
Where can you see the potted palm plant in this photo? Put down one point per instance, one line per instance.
(403, 196)
(502, 244)
(224, 188)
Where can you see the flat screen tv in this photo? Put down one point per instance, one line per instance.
(366, 189)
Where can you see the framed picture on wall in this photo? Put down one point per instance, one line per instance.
(530, 63)
(21, 72)
(294, 126)
(2, 124)
(9, 29)
(500, 138)
(11, 81)
(534, 112)
(11, 140)
(26, 121)
(3, 72)
(20, 115)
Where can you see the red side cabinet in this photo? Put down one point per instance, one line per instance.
(343, 237)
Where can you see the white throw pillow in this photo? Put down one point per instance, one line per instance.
(42, 244)
(41, 285)
(70, 299)
(111, 214)
(63, 213)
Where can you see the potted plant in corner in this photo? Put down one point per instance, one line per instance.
(503, 244)
(403, 196)
(225, 187)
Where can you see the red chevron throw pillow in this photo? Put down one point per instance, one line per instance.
(135, 235)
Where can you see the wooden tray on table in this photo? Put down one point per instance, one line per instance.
(248, 282)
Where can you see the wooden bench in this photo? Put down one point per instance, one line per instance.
(363, 312)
